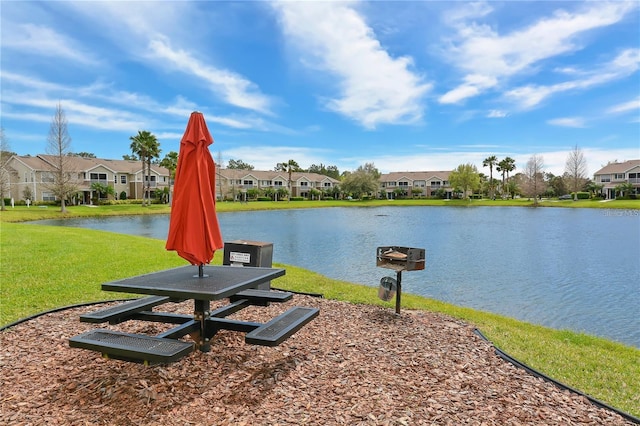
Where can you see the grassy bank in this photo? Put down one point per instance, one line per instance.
(45, 267)
(22, 213)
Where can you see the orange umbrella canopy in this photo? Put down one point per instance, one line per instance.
(194, 232)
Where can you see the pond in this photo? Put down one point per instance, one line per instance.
(577, 269)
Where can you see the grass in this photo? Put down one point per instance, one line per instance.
(43, 267)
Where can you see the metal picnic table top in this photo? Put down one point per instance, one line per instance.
(219, 282)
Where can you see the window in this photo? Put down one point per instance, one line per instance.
(605, 178)
(99, 177)
(48, 196)
(327, 184)
(47, 177)
(152, 180)
(248, 182)
(277, 183)
(304, 183)
(619, 176)
(404, 184)
(435, 183)
(123, 179)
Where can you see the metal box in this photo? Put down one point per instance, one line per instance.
(400, 258)
(249, 253)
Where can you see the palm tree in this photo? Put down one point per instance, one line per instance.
(170, 162)
(146, 147)
(505, 166)
(289, 167)
(490, 162)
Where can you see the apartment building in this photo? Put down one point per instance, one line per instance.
(614, 174)
(126, 177)
(233, 183)
(421, 184)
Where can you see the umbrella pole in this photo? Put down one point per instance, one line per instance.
(201, 270)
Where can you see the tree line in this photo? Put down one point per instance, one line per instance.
(465, 180)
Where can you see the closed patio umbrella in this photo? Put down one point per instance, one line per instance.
(194, 232)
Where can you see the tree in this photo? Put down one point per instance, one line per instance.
(465, 177)
(534, 176)
(101, 189)
(490, 162)
(5, 176)
(170, 162)
(363, 181)
(63, 182)
(146, 147)
(129, 157)
(239, 165)
(331, 171)
(289, 167)
(575, 170)
(557, 184)
(506, 166)
(84, 154)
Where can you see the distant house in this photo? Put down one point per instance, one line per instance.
(614, 174)
(429, 183)
(233, 183)
(125, 176)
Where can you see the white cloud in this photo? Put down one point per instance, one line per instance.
(625, 106)
(494, 113)
(624, 64)
(374, 87)
(577, 122)
(481, 50)
(232, 87)
(31, 39)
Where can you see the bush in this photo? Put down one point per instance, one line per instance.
(582, 195)
(297, 199)
(263, 199)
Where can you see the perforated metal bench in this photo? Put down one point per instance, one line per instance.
(132, 347)
(123, 311)
(281, 327)
(262, 297)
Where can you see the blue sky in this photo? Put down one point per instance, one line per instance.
(404, 85)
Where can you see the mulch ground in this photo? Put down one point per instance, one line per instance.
(353, 364)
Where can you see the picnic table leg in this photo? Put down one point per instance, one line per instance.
(201, 314)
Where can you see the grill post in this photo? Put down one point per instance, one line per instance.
(399, 291)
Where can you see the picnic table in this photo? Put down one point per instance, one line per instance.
(180, 284)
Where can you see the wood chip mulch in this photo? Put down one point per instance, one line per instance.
(354, 364)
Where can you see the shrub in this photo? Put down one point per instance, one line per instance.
(582, 195)
(297, 198)
(263, 199)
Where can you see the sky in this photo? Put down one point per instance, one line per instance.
(405, 85)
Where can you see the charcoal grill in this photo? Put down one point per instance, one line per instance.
(399, 259)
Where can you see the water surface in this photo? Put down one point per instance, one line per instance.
(562, 268)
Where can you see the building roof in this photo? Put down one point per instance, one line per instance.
(44, 162)
(618, 167)
(274, 175)
(424, 175)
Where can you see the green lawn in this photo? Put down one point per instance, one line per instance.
(43, 267)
